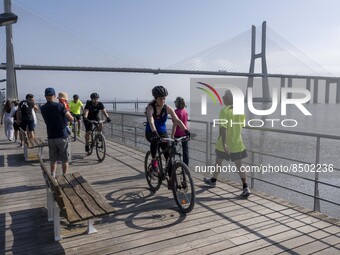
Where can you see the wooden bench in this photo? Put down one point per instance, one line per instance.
(72, 197)
(33, 148)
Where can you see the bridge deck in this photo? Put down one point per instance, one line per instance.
(220, 223)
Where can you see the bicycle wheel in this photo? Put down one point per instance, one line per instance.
(154, 179)
(100, 147)
(91, 144)
(183, 187)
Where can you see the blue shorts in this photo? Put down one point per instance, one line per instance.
(24, 124)
(231, 156)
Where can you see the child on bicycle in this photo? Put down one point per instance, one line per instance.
(157, 115)
(182, 114)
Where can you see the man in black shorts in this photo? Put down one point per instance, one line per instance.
(229, 145)
(76, 106)
(91, 112)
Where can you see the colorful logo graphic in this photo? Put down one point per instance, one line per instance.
(208, 92)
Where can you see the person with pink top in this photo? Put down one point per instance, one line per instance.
(177, 132)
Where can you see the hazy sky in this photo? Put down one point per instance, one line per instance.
(154, 33)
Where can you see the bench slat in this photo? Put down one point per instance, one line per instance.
(84, 196)
(37, 142)
(32, 143)
(68, 212)
(75, 201)
(97, 197)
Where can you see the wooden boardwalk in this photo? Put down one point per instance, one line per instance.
(221, 222)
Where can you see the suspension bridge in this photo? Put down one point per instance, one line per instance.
(234, 57)
(146, 223)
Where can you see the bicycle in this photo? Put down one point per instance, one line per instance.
(182, 184)
(97, 140)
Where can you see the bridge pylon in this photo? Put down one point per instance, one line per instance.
(11, 83)
(262, 55)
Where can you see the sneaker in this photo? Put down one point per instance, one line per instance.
(154, 165)
(78, 134)
(209, 182)
(245, 192)
(87, 148)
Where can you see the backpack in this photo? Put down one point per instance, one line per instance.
(25, 110)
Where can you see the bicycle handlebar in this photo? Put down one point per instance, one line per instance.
(180, 139)
(96, 121)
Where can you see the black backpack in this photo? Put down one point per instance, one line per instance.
(25, 110)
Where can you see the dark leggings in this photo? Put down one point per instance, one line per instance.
(154, 143)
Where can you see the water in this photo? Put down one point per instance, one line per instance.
(282, 149)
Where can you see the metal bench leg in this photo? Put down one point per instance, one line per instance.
(50, 201)
(90, 227)
(56, 223)
(26, 152)
(41, 152)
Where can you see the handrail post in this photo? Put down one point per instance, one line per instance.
(252, 181)
(136, 137)
(123, 140)
(207, 144)
(316, 178)
(210, 141)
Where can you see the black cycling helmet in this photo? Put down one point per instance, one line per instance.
(75, 96)
(159, 91)
(29, 96)
(94, 95)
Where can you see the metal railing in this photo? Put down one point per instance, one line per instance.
(128, 128)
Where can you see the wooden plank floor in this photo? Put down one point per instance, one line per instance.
(221, 222)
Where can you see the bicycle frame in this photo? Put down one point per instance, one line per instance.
(97, 140)
(174, 171)
(172, 153)
(95, 129)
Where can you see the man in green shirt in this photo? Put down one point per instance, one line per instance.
(75, 108)
(229, 145)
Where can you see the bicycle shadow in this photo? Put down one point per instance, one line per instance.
(129, 197)
(121, 179)
(153, 219)
(145, 210)
(82, 159)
